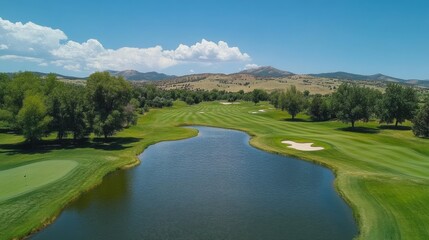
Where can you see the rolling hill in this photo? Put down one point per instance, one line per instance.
(352, 76)
(134, 75)
(266, 72)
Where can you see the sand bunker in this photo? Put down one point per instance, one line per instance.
(302, 146)
(200, 112)
(229, 103)
(262, 110)
(253, 112)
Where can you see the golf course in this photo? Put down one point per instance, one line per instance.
(382, 173)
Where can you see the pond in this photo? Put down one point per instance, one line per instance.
(213, 186)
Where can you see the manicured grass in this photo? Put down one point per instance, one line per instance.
(383, 173)
(27, 178)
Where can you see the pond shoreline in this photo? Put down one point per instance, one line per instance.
(196, 134)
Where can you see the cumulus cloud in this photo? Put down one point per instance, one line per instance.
(251, 66)
(31, 41)
(208, 51)
(92, 55)
(29, 38)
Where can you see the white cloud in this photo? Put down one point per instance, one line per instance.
(29, 37)
(71, 50)
(30, 41)
(132, 58)
(251, 66)
(92, 55)
(208, 51)
(21, 58)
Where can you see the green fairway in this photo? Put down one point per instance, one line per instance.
(20, 180)
(382, 173)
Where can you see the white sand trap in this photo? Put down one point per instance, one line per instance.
(200, 112)
(229, 103)
(253, 112)
(302, 146)
(262, 110)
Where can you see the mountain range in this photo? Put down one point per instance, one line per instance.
(259, 72)
(134, 75)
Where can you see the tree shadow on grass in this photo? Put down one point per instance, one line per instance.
(7, 131)
(393, 127)
(360, 130)
(295, 120)
(110, 144)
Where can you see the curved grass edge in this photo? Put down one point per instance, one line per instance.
(135, 162)
(332, 168)
(371, 208)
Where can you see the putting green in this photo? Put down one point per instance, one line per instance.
(27, 178)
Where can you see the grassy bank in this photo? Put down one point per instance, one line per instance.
(383, 173)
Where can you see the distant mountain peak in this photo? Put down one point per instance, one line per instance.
(266, 71)
(134, 75)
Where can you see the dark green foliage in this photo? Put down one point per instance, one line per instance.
(77, 112)
(107, 96)
(319, 109)
(293, 100)
(130, 112)
(4, 82)
(398, 104)
(306, 93)
(259, 95)
(421, 121)
(33, 118)
(23, 84)
(189, 100)
(352, 103)
(274, 98)
(282, 101)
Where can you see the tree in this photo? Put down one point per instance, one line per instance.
(56, 109)
(75, 107)
(274, 98)
(189, 100)
(257, 95)
(306, 93)
(130, 112)
(107, 95)
(352, 103)
(282, 101)
(33, 118)
(22, 84)
(421, 121)
(294, 101)
(4, 82)
(319, 108)
(398, 104)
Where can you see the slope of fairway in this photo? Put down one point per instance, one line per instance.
(27, 178)
(382, 173)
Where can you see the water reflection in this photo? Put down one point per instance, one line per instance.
(214, 186)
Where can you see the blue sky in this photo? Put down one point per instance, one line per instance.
(302, 36)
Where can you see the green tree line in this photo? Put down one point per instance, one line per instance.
(351, 103)
(37, 106)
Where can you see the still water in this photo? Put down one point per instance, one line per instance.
(213, 186)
